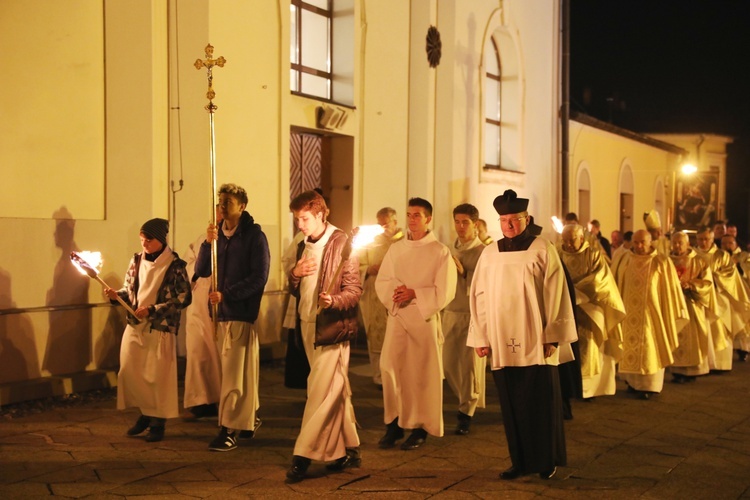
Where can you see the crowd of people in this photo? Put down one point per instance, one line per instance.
(550, 321)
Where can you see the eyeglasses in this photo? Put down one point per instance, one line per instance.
(508, 220)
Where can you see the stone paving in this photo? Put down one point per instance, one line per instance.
(690, 442)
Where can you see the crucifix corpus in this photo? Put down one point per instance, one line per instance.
(209, 62)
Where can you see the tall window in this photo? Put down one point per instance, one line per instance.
(492, 105)
(503, 95)
(310, 32)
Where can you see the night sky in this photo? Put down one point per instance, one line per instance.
(669, 66)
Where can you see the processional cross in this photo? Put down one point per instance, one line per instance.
(209, 64)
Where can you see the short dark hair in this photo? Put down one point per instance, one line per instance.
(595, 223)
(628, 236)
(386, 212)
(421, 202)
(571, 216)
(310, 201)
(467, 209)
(238, 192)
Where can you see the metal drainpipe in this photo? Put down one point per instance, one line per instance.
(565, 106)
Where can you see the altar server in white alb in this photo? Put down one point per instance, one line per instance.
(202, 364)
(464, 370)
(522, 317)
(157, 288)
(417, 279)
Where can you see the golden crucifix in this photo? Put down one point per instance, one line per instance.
(209, 63)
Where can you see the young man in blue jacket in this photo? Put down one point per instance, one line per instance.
(242, 266)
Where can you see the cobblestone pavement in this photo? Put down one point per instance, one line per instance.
(690, 442)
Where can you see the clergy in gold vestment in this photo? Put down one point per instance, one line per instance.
(656, 312)
(522, 318)
(600, 311)
(660, 242)
(733, 301)
(374, 313)
(742, 262)
(691, 356)
(417, 279)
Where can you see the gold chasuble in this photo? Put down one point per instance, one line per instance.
(656, 312)
(731, 290)
(697, 287)
(599, 305)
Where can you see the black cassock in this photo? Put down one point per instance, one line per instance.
(531, 403)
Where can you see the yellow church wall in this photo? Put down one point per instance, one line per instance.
(604, 154)
(48, 337)
(383, 108)
(532, 28)
(415, 130)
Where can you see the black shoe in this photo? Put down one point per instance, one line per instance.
(155, 433)
(678, 379)
(742, 355)
(415, 439)
(298, 470)
(203, 411)
(511, 473)
(464, 422)
(645, 395)
(251, 434)
(351, 459)
(225, 441)
(140, 425)
(547, 474)
(392, 434)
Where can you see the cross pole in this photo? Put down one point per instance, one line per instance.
(209, 64)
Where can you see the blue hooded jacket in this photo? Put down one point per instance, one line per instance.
(242, 263)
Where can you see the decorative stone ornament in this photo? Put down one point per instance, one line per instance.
(434, 46)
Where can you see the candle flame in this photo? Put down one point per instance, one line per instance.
(366, 235)
(92, 259)
(557, 224)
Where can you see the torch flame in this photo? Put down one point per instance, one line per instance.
(557, 223)
(87, 262)
(366, 235)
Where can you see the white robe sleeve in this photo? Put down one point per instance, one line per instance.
(477, 336)
(386, 281)
(432, 299)
(559, 324)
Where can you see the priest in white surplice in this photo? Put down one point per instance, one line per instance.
(522, 317)
(417, 279)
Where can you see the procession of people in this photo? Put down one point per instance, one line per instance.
(518, 309)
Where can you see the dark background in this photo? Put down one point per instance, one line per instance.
(669, 66)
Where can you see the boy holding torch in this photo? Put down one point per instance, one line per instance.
(157, 288)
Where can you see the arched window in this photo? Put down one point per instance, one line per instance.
(502, 97)
(627, 190)
(583, 183)
(492, 104)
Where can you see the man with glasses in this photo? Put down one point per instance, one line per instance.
(522, 317)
